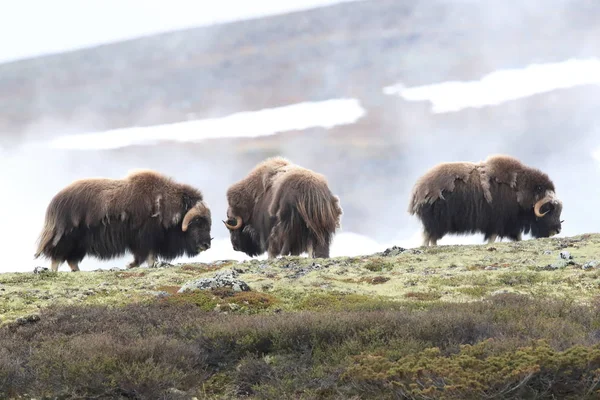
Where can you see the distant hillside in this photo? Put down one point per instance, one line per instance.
(351, 49)
(347, 50)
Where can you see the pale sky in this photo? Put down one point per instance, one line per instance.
(33, 27)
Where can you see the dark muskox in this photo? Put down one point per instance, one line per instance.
(284, 209)
(499, 197)
(145, 213)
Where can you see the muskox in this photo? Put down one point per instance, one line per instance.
(283, 209)
(499, 197)
(145, 213)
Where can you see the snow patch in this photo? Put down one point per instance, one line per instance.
(248, 124)
(502, 85)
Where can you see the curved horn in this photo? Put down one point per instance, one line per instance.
(238, 223)
(199, 210)
(540, 204)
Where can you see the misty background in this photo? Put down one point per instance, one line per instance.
(73, 70)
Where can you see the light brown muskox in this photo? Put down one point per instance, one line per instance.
(145, 213)
(499, 197)
(283, 209)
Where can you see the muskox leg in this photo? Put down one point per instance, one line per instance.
(428, 240)
(518, 237)
(137, 260)
(74, 265)
(150, 260)
(54, 265)
(272, 252)
(492, 238)
(275, 246)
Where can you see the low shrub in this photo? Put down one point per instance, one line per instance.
(152, 350)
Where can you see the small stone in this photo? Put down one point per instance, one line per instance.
(392, 251)
(162, 264)
(565, 255)
(29, 319)
(40, 270)
(591, 264)
(227, 278)
(557, 265)
(490, 268)
(175, 393)
(547, 252)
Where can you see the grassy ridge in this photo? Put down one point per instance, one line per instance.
(443, 273)
(509, 320)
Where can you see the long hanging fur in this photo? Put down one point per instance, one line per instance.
(105, 218)
(495, 197)
(286, 209)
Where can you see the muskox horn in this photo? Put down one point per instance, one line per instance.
(238, 223)
(198, 210)
(540, 204)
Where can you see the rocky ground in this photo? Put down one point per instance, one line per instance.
(561, 267)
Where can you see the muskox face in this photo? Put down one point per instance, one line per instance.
(547, 213)
(197, 236)
(244, 237)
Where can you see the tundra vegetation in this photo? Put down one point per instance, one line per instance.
(502, 320)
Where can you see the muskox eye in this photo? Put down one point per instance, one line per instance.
(539, 188)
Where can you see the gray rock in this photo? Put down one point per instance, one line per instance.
(490, 268)
(392, 251)
(565, 255)
(591, 264)
(226, 278)
(547, 252)
(116, 269)
(301, 271)
(176, 394)
(162, 264)
(40, 270)
(29, 319)
(558, 265)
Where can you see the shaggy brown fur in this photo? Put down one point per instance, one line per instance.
(146, 213)
(496, 197)
(284, 209)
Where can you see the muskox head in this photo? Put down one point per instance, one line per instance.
(547, 212)
(196, 227)
(244, 237)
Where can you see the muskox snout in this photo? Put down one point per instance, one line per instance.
(205, 245)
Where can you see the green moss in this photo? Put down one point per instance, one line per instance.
(445, 273)
(378, 265)
(474, 291)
